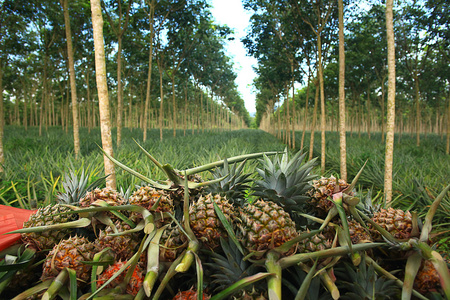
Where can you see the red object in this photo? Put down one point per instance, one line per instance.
(11, 218)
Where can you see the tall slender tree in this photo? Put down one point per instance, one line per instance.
(390, 124)
(102, 90)
(73, 88)
(342, 130)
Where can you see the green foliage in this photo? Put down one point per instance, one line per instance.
(36, 165)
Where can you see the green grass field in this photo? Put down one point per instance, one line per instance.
(35, 165)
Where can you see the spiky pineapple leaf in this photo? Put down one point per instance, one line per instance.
(285, 181)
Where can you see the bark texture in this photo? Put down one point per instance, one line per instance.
(390, 122)
(73, 87)
(100, 69)
(342, 131)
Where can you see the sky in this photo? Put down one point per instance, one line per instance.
(233, 14)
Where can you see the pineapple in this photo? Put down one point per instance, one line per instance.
(358, 234)
(322, 190)
(397, 222)
(133, 286)
(45, 216)
(427, 278)
(123, 245)
(285, 181)
(265, 225)
(205, 223)
(172, 243)
(75, 189)
(110, 196)
(147, 197)
(189, 295)
(317, 242)
(70, 253)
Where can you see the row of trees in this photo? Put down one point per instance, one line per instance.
(166, 66)
(423, 70)
(297, 43)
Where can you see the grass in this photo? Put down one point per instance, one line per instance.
(35, 165)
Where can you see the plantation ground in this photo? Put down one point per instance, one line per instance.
(36, 164)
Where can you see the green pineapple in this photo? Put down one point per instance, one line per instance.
(75, 189)
(172, 243)
(204, 221)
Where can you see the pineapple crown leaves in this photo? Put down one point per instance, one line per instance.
(230, 267)
(285, 181)
(76, 187)
(363, 283)
(234, 183)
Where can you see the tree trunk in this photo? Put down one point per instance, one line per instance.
(322, 104)
(161, 104)
(383, 94)
(100, 67)
(174, 113)
(390, 124)
(73, 88)
(150, 62)
(418, 115)
(306, 109)
(342, 131)
(313, 127)
(119, 92)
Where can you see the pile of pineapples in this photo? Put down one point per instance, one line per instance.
(277, 233)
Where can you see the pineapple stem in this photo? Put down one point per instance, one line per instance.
(56, 285)
(338, 251)
(230, 161)
(153, 262)
(274, 282)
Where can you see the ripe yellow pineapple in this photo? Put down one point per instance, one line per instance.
(70, 253)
